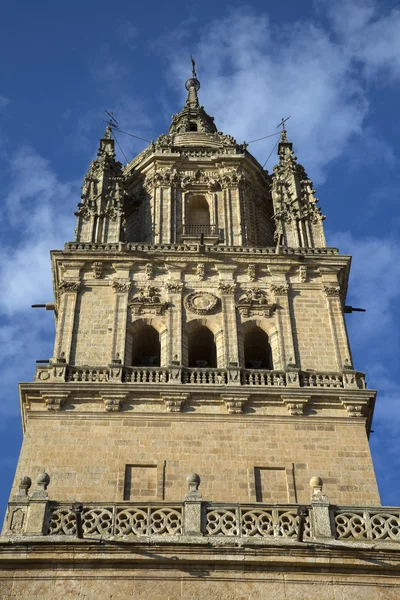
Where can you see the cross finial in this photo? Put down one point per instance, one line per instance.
(283, 132)
(193, 67)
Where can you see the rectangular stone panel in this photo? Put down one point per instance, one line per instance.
(140, 482)
(271, 485)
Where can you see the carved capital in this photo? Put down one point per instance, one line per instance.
(279, 289)
(332, 291)
(69, 285)
(226, 287)
(174, 287)
(121, 285)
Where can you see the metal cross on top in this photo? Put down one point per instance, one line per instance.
(193, 67)
(282, 123)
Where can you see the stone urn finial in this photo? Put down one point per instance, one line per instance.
(316, 485)
(24, 485)
(193, 481)
(42, 482)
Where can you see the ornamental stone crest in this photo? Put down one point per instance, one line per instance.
(201, 303)
(255, 302)
(147, 301)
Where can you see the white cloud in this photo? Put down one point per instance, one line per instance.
(253, 73)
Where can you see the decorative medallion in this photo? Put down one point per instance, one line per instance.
(201, 303)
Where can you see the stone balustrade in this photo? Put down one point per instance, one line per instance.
(36, 515)
(348, 379)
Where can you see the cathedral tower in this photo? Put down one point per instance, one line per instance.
(201, 382)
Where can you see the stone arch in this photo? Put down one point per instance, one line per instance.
(147, 343)
(203, 343)
(259, 343)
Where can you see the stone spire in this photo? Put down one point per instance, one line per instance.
(100, 213)
(298, 218)
(192, 117)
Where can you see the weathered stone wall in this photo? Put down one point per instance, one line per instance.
(189, 582)
(86, 456)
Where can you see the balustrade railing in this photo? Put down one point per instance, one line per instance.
(205, 376)
(146, 374)
(258, 377)
(254, 521)
(325, 380)
(381, 523)
(197, 230)
(99, 374)
(217, 376)
(116, 520)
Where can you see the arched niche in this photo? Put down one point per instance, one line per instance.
(146, 344)
(259, 346)
(203, 347)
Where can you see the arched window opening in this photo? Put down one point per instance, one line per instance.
(192, 126)
(202, 350)
(198, 212)
(146, 347)
(257, 350)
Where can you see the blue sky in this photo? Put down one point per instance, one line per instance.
(334, 67)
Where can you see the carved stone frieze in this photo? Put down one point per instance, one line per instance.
(69, 286)
(174, 403)
(302, 274)
(113, 401)
(251, 272)
(55, 400)
(354, 408)
(295, 406)
(121, 285)
(148, 271)
(97, 269)
(235, 404)
(255, 302)
(147, 300)
(200, 271)
(201, 303)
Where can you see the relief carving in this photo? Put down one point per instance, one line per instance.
(147, 301)
(226, 288)
(69, 286)
(255, 302)
(97, 269)
(332, 291)
(121, 285)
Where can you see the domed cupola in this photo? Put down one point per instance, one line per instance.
(193, 117)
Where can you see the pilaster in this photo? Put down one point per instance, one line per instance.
(121, 285)
(68, 289)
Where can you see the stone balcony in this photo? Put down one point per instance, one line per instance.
(176, 374)
(196, 521)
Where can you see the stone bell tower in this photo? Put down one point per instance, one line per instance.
(201, 378)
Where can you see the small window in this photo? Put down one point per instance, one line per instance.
(192, 126)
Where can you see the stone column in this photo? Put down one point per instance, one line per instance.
(280, 290)
(227, 288)
(121, 285)
(68, 289)
(175, 289)
(336, 320)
